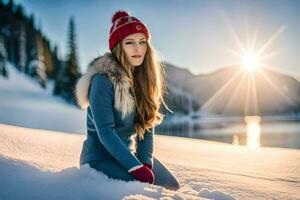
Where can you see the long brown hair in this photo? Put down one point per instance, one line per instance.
(149, 87)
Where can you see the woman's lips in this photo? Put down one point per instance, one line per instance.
(136, 56)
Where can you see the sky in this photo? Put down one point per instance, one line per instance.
(198, 35)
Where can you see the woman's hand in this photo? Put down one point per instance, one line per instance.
(143, 174)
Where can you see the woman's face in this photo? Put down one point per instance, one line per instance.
(135, 47)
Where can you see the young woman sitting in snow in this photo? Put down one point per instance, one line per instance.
(122, 92)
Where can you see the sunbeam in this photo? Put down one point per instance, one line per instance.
(210, 102)
(241, 91)
(276, 88)
(235, 94)
(276, 34)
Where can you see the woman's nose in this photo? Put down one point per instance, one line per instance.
(137, 47)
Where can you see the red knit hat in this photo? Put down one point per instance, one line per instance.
(123, 25)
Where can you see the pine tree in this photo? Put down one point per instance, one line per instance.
(2, 6)
(26, 46)
(72, 65)
(56, 61)
(32, 21)
(3, 57)
(36, 67)
(48, 57)
(10, 6)
(22, 49)
(66, 81)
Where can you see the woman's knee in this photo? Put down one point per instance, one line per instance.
(174, 185)
(169, 182)
(164, 177)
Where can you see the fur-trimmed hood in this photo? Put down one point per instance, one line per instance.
(124, 101)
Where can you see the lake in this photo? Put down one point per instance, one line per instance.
(252, 131)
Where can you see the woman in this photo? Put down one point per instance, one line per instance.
(122, 92)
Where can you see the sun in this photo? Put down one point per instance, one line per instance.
(251, 61)
(251, 57)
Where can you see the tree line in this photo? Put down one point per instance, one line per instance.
(23, 44)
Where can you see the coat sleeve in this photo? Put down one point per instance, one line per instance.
(144, 148)
(101, 96)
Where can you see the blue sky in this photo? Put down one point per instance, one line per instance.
(190, 34)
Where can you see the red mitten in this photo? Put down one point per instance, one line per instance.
(148, 165)
(143, 174)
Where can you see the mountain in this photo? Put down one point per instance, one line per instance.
(176, 76)
(177, 99)
(233, 91)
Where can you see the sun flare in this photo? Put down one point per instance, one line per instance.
(251, 61)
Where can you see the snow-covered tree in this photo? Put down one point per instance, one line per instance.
(36, 67)
(25, 44)
(37, 71)
(22, 49)
(3, 57)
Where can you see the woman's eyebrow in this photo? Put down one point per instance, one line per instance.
(133, 39)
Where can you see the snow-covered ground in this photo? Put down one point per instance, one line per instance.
(41, 164)
(36, 163)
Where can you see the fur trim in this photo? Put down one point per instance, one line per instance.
(124, 101)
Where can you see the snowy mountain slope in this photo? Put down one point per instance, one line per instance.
(25, 103)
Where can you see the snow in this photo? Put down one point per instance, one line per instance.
(25, 103)
(2, 50)
(43, 164)
(39, 163)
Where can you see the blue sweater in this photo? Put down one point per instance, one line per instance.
(108, 134)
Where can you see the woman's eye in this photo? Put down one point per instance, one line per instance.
(143, 42)
(128, 43)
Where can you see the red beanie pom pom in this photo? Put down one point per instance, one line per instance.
(119, 14)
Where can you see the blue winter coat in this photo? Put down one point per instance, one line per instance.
(110, 117)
